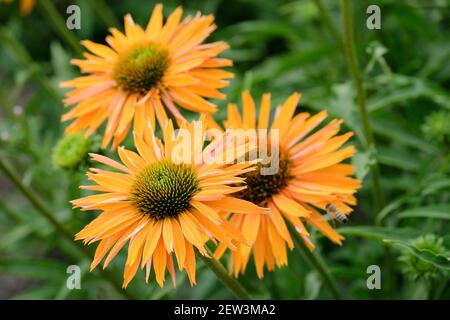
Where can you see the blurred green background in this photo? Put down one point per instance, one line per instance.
(276, 46)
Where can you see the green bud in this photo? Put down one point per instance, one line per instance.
(419, 269)
(70, 151)
(437, 126)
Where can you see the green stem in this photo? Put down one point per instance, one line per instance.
(74, 255)
(7, 104)
(315, 261)
(350, 52)
(329, 23)
(22, 56)
(105, 13)
(440, 290)
(9, 213)
(275, 293)
(47, 7)
(390, 274)
(219, 270)
(42, 209)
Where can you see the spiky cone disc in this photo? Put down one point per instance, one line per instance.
(144, 71)
(309, 177)
(164, 203)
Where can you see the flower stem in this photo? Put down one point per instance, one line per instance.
(22, 56)
(104, 13)
(350, 51)
(329, 23)
(352, 61)
(219, 270)
(315, 261)
(47, 7)
(42, 209)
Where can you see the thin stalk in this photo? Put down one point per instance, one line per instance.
(105, 13)
(9, 213)
(58, 23)
(6, 103)
(19, 220)
(440, 290)
(42, 209)
(352, 61)
(221, 273)
(275, 293)
(314, 260)
(22, 56)
(390, 274)
(329, 23)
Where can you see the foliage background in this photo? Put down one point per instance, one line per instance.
(277, 46)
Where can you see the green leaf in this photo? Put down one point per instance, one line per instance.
(64, 291)
(39, 293)
(391, 207)
(257, 31)
(280, 64)
(343, 104)
(381, 234)
(436, 185)
(397, 89)
(362, 160)
(37, 269)
(400, 238)
(398, 158)
(430, 212)
(14, 235)
(312, 285)
(390, 128)
(437, 260)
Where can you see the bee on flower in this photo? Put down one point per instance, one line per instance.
(309, 178)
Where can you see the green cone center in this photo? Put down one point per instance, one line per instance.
(141, 68)
(164, 189)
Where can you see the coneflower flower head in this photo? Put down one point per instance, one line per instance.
(165, 202)
(143, 72)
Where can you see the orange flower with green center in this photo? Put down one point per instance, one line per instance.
(143, 71)
(163, 204)
(310, 178)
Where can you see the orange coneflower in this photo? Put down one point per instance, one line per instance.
(310, 178)
(163, 204)
(143, 70)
